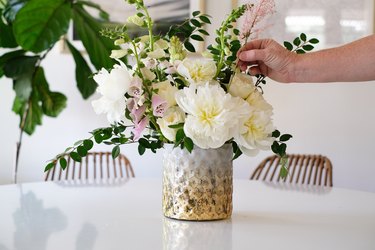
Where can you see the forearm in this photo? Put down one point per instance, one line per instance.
(352, 62)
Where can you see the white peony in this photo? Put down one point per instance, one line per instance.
(257, 135)
(214, 116)
(113, 86)
(166, 91)
(172, 116)
(241, 85)
(197, 70)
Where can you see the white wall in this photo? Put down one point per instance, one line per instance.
(336, 120)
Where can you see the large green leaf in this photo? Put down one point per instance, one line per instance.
(97, 46)
(41, 23)
(7, 39)
(7, 56)
(52, 102)
(85, 82)
(34, 116)
(21, 70)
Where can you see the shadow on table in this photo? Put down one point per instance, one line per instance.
(86, 237)
(93, 182)
(313, 189)
(184, 235)
(34, 223)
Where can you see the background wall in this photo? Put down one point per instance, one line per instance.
(336, 120)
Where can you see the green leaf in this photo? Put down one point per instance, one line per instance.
(115, 151)
(40, 24)
(49, 166)
(197, 37)
(85, 82)
(300, 51)
(98, 138)
(288, 46)
(236, 150)
(52, 102)
(196, 23)
(7, 39)
(275, 147)
(81, 150)
(314, 41)
(11, 8)
(63, 163)
(297, 41)
(303, 37)
(189, 46)
(97, 46)
(196, 13)
(102, 13)
(179, 125)
(282, 149)
(205, 19)
(75, 156)
(144, 143)
(308, 47)
(88, 144)
(188, 143)
(202, 31)
(7, 56)
(141, 149)
(285, 137)
(276, 133)
(180, 135)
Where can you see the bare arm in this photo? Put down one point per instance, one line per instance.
(352, 62)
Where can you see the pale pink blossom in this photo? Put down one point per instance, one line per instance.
(159, 105)
(253, 16)
(135, 88)
(139, 127)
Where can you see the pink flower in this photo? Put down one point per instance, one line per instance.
(136, 112)
(135, 88)
(253, 16)
(139, 127)
(159, 105)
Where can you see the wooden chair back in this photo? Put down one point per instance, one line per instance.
(303, 169)
(95, 166)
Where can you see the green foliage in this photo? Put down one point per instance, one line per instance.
(279, 148)
(36, 26)
(301, 44)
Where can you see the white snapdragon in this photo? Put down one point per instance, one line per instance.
(112, 85)
(197, 70)
(213, 116)
(172, 116)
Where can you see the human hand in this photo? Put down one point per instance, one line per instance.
(267, 57)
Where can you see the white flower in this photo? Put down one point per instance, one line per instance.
(148, 74)
(257, 135)
(214, 116)
(166, 91)
(257, 101)
(172, 116)
(118, 53)
(197, 70)
(241, 85)
(136, 20)
(113, 86)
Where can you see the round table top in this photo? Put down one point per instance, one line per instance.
(127, 215)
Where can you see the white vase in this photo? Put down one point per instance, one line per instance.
(197, 185)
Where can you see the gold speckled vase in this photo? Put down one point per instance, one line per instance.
(198, 185)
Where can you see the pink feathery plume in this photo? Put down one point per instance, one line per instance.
(253, 16)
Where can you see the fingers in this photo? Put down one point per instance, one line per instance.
(256, 44)
(252, 55)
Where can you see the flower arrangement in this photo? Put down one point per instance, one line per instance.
(170, 94)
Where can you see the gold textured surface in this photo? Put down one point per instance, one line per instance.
(197, 185)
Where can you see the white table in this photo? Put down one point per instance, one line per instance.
(51, 216)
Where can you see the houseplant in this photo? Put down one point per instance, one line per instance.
(198, 106)
(29, 30)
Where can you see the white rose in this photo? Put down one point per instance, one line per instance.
(172, 116)
(113, 86)
(197, 70)
(166, 91)
(241, 85)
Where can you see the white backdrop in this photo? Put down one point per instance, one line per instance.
(336, 120)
